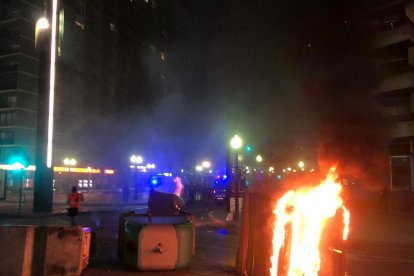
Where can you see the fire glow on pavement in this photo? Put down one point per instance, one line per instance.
(305, 212)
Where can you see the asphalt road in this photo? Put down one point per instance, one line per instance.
(216, 247)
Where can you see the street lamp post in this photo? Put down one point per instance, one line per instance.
(259, 160)
(136, 160)
(236, 143)
(45, 41)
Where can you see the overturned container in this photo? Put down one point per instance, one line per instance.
(150, 243)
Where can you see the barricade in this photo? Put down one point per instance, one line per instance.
(16, 254)
(44, 250)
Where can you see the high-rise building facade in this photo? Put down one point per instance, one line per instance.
(110, 60)
(393, 49)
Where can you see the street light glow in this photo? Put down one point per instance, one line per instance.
(236, 142)
(42, 24)
(69, 161)
(259, 158)
(136, 159)
(52, 85)
(301, 164)
(199, 168)
(206, 164)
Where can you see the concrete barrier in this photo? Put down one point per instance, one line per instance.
(16, 254)
(44, 250)
(61, 250)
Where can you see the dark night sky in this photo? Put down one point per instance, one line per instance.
(271, 71)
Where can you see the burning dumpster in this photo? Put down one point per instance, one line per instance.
(297, 229)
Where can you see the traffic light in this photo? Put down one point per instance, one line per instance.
(248, 149)
(19, 161)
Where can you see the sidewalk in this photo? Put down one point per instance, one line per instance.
(94, 201)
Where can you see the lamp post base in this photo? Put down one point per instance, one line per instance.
(43, 190)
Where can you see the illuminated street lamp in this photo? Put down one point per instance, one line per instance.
(199, 168)
(69, 162)
(46, 45)
(236, 143)
(301, 164)
(206, 164)
(259, 158)
(136, 159)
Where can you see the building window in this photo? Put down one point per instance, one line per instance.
(11, 101)
(7, 137)
(15, 48)
(7, 118)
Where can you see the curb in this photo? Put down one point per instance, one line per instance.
(219, 222)
(57, 214)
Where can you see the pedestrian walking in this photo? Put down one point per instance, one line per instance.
(125, 193)
(74, 200)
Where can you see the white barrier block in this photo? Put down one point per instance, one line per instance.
(16, 250)
(66, 250)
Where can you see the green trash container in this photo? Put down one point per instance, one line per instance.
(155, 243)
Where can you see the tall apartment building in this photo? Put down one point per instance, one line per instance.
(393, 21)
(110, 59)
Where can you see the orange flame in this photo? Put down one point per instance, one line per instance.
(307, 211)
